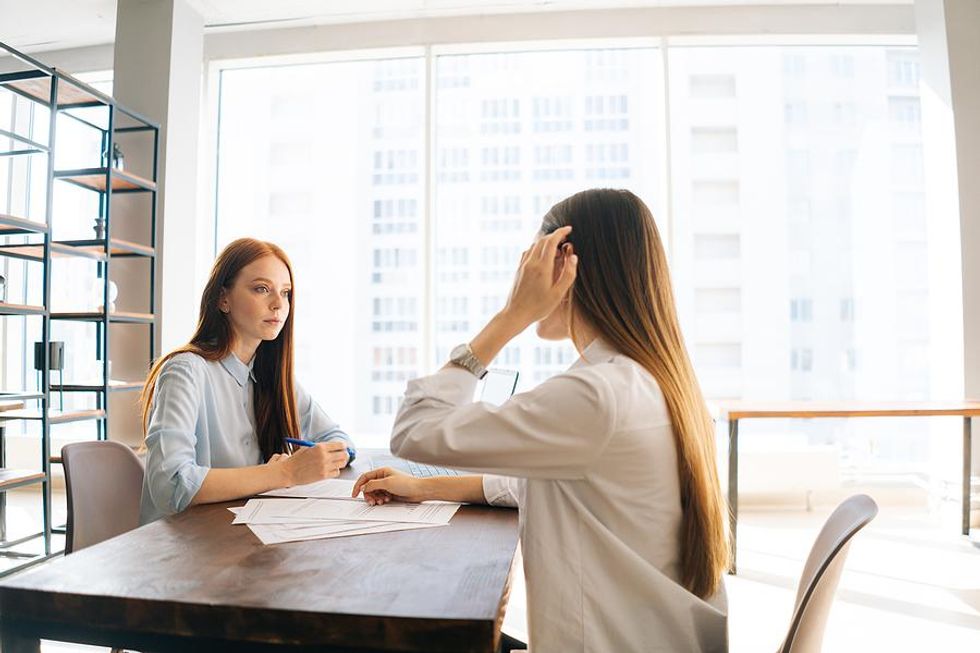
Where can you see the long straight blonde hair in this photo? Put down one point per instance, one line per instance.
(623, 290)
(276, 416)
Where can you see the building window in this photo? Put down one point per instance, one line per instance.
(553, 162)
(801, 310)
(501, 116)
(801, 359)
(716, 247)
(712, 86)
(606, 113)
(607, 161)
(552, 114)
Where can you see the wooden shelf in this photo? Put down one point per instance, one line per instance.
(37, 86)
(95, 179)
(11, 225)
(114, 386)
(14, 137)
(54, 416)
(20, 309)
(24, 252)
(117, 317)
(58, 250)
(93, 249)
(126, 248)
(11, 478)
(118, 248)
(10, 395)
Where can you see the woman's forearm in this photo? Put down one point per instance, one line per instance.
(235, 483)
(465, 489)
(500, 330)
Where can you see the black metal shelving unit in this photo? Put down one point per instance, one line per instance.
(64, 96)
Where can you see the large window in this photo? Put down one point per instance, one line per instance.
(797, 182)
(525, 130)
(328, 161)
(794, 216)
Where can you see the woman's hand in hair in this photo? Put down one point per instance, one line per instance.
(546, 274)
(311, 464)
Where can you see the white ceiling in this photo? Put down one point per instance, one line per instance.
(40, 25)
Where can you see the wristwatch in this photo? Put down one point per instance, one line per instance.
(463, 356)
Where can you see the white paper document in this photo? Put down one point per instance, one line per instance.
(279, 511)
(318, 530)
(331, 488)
(280, 533)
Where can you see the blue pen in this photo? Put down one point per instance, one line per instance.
(306, 443)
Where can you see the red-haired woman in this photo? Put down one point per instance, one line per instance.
(217, 410)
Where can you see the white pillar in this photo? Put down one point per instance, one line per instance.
(158, 60)
(158, 66)
(949, 45)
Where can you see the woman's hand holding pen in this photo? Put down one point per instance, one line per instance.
(311, 464)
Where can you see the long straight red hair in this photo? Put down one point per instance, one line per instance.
(276, 416)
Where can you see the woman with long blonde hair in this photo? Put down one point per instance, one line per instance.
(217, 411)
(612, 463)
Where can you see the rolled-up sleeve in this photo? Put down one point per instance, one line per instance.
(315, 423)
(173, 475)
(503, 491)
(556, 431)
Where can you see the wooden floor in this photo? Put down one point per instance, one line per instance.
(911, 583)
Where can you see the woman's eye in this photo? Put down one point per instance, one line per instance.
(261, 289)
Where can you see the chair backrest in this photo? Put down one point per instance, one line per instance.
(104, 481)
(822, 571)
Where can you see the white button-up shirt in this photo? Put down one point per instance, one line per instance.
(203, 416)
(599, 498)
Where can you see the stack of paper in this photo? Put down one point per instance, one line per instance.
(331, 488)
(325, 509)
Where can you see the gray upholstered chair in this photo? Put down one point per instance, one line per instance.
(821, 574)
(104, 482)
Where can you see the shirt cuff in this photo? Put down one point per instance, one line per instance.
(189, 480)
(500, 490)
(452, 385)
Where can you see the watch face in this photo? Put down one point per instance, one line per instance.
(458, 352)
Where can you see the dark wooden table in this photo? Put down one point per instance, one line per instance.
(194, 582)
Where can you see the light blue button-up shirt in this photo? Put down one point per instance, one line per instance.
(203, 416)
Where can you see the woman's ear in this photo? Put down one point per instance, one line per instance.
(223, 302)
